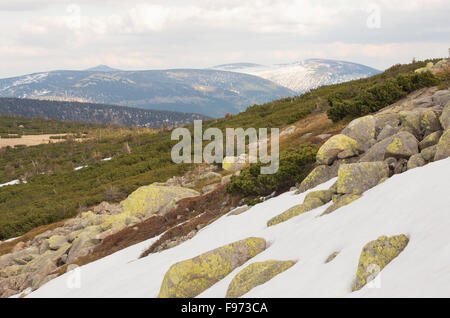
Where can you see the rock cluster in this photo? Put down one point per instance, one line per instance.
(376, 255)
(375, 147)
(35, 262)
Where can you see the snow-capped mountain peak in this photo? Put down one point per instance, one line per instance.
(304, 75)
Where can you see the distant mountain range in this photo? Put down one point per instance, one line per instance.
(209, 92)
(304, 75)
(94, 113)
(228, 88)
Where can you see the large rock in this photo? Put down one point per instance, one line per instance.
(254, 275)
(443, 147)
(376, 255)
(313, 200)
(416, 161)
(191, 277)
(430, 140)
(324, 196)
(404, 145)
(387, 131)
(356, 178)
(83, 243)
(445, 117)
(441, 67)
(429, 153)
(154, 199)
(339, 146)
(424, 102)
(441, 97)
(362, 130)
(319, 175)
(420, 122)
(232, 163)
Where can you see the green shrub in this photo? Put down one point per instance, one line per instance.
(378, 96)
(294, 167)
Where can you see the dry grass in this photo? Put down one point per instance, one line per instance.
(30, 140)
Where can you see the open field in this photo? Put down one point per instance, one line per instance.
(30, 140)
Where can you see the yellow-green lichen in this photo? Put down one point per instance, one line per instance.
(376, 255)
(153, 199)
(335, 145)
(323, 195)
(254, 275)
(395, 146)
(341, 200)
(191, 277)
(294, 211)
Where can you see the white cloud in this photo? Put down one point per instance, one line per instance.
(201, 33)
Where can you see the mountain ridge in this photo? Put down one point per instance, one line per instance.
(209, 92)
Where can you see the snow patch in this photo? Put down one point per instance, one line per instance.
(415, 203)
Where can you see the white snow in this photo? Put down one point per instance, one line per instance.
(11, 183)
(303, 75)
(415, 203)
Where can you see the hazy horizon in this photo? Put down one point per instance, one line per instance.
(46, 35)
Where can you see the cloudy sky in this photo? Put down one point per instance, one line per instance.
(42, 35)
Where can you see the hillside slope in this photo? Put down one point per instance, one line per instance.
(208, 92)
(304, 75)
(421, 270)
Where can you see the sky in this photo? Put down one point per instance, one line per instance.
(43, 35)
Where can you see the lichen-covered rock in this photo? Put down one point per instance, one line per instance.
(341, 200)
(387, 131)
(376, 255)
(254, 275)
(339, 146)
(384, 119)
(232, 163)
(424, 102)
(441, 97)
(420, 122)
(323, 195)
(401, 166)
(377, 152)
(191, 277)
(319, 175)
(84, 243)
(239, 210)
(154, 199)
(56, 242)
(331, 257)
(429, 153)
(443, 147)
(426, 68)
(356, 178)
(416, 161)
(306, 206)
(404, 145)
(445, 117)
(430, 140)
(362, 130)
